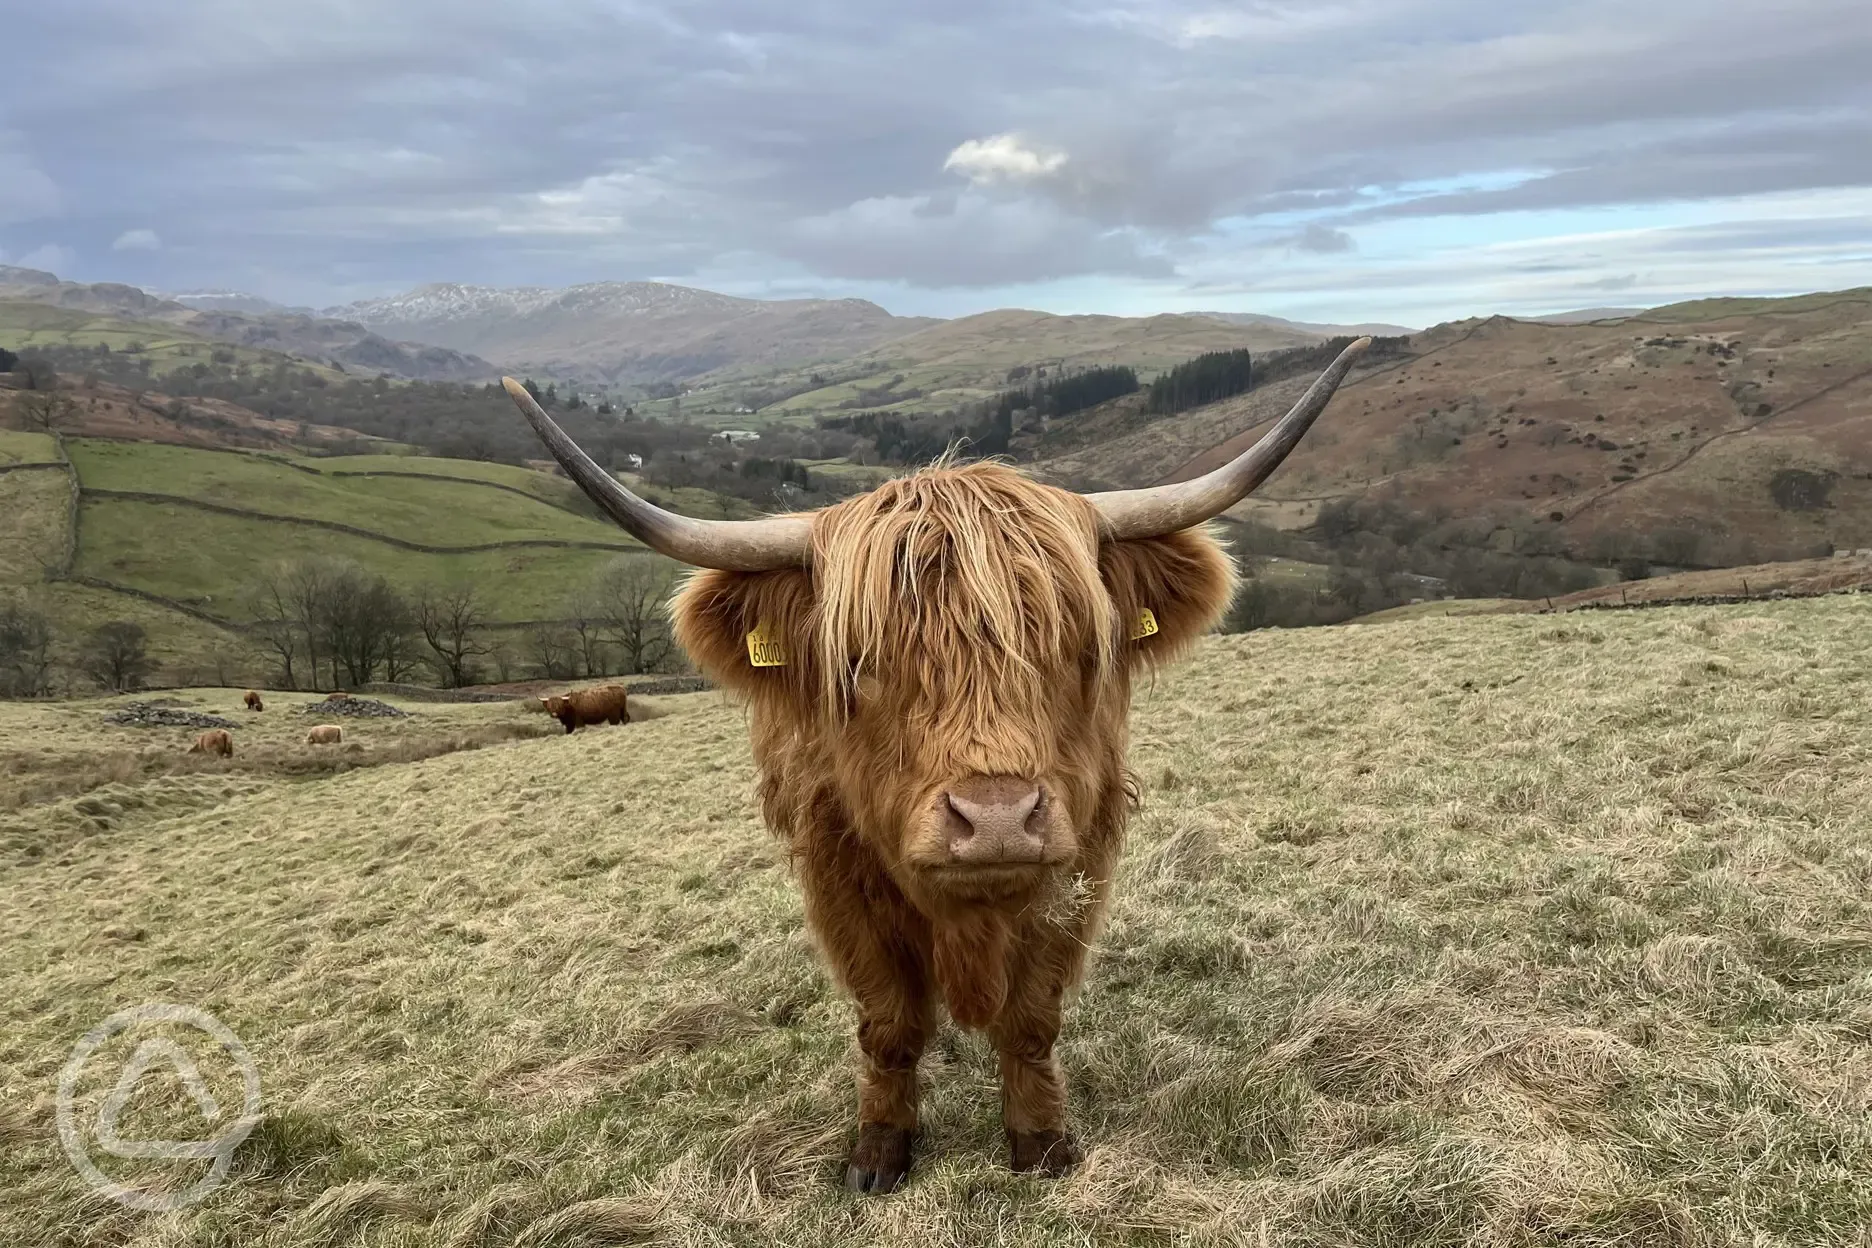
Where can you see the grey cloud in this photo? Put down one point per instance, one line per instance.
(982, 242)
(1322, 238)
(321, 146)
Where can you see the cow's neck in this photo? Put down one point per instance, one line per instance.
(970, 954)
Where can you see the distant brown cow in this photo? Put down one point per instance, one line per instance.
(325, 734)
(214, 741)
(939, 674)
(253, 701)
(338, 697)
(606, 704)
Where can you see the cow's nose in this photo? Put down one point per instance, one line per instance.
(997, 819)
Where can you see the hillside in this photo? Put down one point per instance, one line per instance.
(100, 409)
(972, 358)
(179, 538)
(1486, 931)
(321, 339)
(1377, 329)
(26, 324)
(1848, 571)
(1725, 431)
(625, 333)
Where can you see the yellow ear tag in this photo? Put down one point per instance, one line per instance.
(1146, 625)
(764, 649)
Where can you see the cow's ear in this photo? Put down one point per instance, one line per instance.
(1184, 581)
(715, 613)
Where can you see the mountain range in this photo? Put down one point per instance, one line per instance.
(325, 339)
(637, 334)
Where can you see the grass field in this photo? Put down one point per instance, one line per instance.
(436, 513)
(34, 503)
(557, 491)
(18, 447)
(1496, 930)
(214, 561)
(1442, 607)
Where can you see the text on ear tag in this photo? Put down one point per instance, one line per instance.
(764, 649)
(1146, 625)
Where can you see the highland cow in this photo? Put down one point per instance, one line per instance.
(325, 734)
(939, 673)
(605, 704)
(214, 741)
(253, 701)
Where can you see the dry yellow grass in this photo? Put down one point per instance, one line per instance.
(1495, 930)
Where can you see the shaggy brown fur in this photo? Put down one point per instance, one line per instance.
(325, 734)
(253, 701)
(214, 741)
(603, 704)
(340, 696)
(957, 627)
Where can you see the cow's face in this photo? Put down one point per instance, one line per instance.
(949, 677)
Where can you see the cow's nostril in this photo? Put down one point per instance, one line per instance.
(996, 820)
(1037, 816)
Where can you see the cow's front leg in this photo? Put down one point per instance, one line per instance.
(1033, 1091)
(876, 947)
(893, 1025)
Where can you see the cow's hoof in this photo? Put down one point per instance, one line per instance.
(1052, 1153)
(880, 1159)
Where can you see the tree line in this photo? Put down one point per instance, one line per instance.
(1208, 378)
(986, 428)
(329, 623)
(112, 655)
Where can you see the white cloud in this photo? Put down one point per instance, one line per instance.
(137, 240)
(1003, 158)
(26, 192)
(50, 257)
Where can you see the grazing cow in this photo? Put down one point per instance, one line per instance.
(605, 704)
(340, 696)
(325, 734)
(214, 741)
(253, 701)
(939, 673)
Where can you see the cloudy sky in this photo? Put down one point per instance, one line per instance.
(1401, 160)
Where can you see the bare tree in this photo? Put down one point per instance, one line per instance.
(1348, 585)
(43, 411)
(366, 623)
(452, 620)
(116, 655)
(506, 661)
(551, 653)
(33, 371)
(630, 599)
(291, 607)
(278, 625)
(587, 628)
(25, 652)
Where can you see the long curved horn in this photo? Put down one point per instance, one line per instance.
(1132, 514)
(731, 545)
